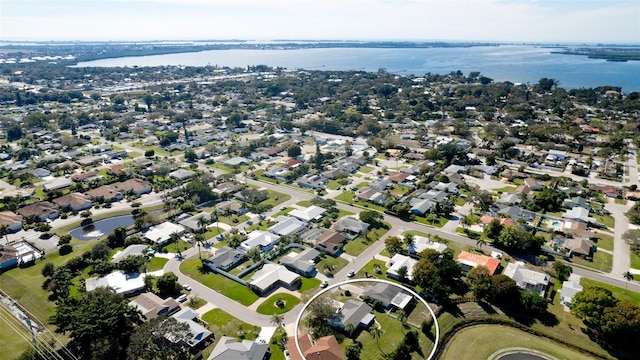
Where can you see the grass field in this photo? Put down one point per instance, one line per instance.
(635, 260)
(268, 307)
(309, 284)
(334, 264)
(601, 261)
(223, 324)
(356, 246)
(605, 241)
(607, 220)
(437, 223)
(305, 203)
(193, 268)
(156, 263)
(480, 341)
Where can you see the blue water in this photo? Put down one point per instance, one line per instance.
(101, 228)
(515, 63)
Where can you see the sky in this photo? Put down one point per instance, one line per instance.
(546, 21)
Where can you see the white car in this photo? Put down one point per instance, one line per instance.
(351, 274)
(186, 287)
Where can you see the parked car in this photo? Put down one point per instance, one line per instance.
(351, 274)
(324, 284)
(186, 287)
(182, 298)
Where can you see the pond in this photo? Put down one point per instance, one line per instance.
(101, 228)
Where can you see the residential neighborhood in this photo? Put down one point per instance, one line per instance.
(213, 205)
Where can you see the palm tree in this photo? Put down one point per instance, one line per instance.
(175, 238)
(432, 218)
(277, 320)
(629, 277)
(199, 239)
(409, 240)
(4, 231)
(481, 242)
(376, 333)
(202, 224)
(402, 316)
(465, 222)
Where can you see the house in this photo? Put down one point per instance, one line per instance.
(229, 348)
(351, 226)
(118, 169)
(569, 289)
(278, 172)
(399, 177)
(230, 207)
(310, 214)
(578, 245)
(347, 167)
(42, 210)
(303, 263)
(198, 332)
(21, 193)
(421, 206)
(608, 190)
(11, 220)
(390, 296)
(532, 184)
(421, 243)
(332, 173)
(515, 213)
(151, 305)
(127, 284)
(509, 199)
(330, 242)
(453, 169)
(131, 250)
(193, 222)
(353, 312)
(57, 184)
(399, 261)
(310, 181)
(433, 195)
(529, 280)
(287, 226)
(8, 257)
(324, 348)
(225, 258)
(578, 214)
(576, 201)
(105, 193)
(236, 161)
(86, 177)
(135, 186)
(262, 239)
(469, 261)
(371, 194)
(161, 234)
(381, 184)
(228, 188)
(272, 276)
(181, 174)
(73, 201)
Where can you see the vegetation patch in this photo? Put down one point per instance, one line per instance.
(223, 324)
(618, 292)
(156, 263)
(278, 304)
(309, 284)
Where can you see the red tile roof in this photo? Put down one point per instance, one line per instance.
(490, 263)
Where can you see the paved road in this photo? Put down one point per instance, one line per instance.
(621, 250)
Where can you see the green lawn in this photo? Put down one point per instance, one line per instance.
(193, 268)
(369, 269)
(346, 196)
(504, 189)
(356, 246)
(618, 292)
(605, 241)
(275, 198)
(309, 284)
(607, 220)
(156, 263)
(213, 231)
(365, 169)
(268, 307)
(601, 261)
(305, 203)
(480, 341)
(232, 219)
(635, 260)
(392, 334)
(223, 324)
(333, 185)
(438, 223)
(282, 212)
(332, 264)
(460, 201)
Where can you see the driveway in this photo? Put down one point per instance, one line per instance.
(621, 250)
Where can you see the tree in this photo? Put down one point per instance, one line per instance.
(160, 338)
(480, 242)
(518, 237)
(293, 151)
(352, 351)
(98, 323)
(320, 310)
(465, 222)
(277, 320)
(492, 229)
(48, 269)
(402, 316)
(533, 303)
(504, 290)
(393, 245)
(632, 237)
(402, 273)
(561, 270)
(167, 284)
(175, 238)
(376, 333)
(254, 254)
(432, 218)
(629, 277)
(132, 263)
(190, 155)
(371, 217)
(409, 240)
(480, 282)
(620, 326)
(590, 303)
(482, 199)
(4, 231)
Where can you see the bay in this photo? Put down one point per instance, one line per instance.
(515, 63)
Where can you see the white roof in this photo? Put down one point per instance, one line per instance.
(119, 281)
(522, 275)
(421, 243)
(270, 274)
(287, 225)
(307, 214)
(570, 288)
(161, 233)
(259, 238)
(578, 213)
(398, 261)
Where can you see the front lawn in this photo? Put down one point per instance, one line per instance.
(504, 189)
(635, 260)
(309, 284)
(370, 270)
(282, 212)
(156, 263)
(346, 196)
(223, 324)
(601, 261)
(605, 241)
(269, 307)
(305, 203)
(275, 199)
(365, 169)
(618, 292)
(193, 268)
(439, 222)
(606, 220)
(331, 264)
(356, 246)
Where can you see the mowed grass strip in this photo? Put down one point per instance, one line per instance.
(193, 268)
(268, 307)
(223, 324)
(480, 341)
